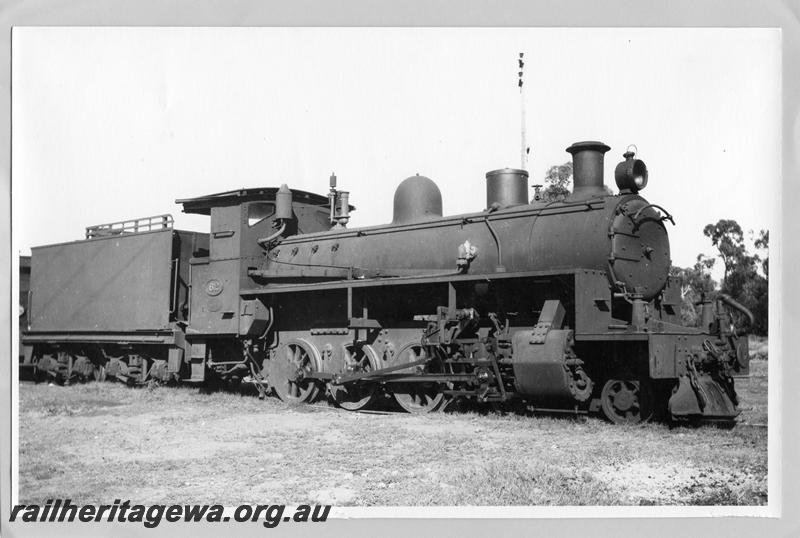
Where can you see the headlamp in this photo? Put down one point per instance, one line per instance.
(631, 174)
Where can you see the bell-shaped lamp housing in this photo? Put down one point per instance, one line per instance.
(631, 174)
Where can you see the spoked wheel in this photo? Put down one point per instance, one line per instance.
(357, 395)
(287, 370)
(627, 401)
(417, 398)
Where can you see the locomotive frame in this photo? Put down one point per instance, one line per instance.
(577, 314)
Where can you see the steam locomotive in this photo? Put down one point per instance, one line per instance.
(564, 304)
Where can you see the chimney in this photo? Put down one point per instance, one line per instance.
(587, 169)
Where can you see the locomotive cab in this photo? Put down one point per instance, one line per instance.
(238, 220)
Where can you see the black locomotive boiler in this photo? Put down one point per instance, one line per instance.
(561, 304)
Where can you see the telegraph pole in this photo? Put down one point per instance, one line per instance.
(523, 137)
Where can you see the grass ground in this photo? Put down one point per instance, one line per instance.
(99, 442)
(758, 347)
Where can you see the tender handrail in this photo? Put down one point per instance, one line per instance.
(144, 224)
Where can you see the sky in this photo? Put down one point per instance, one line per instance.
(116, 123)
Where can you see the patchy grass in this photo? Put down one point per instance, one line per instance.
(528, 483)
(752, 391)
(758, 347)
(98, 442)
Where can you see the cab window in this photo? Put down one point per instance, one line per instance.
(258, 211)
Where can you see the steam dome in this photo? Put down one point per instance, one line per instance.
(417, 199)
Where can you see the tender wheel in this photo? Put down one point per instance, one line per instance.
(416, 398)
(627, 401)
(83, 369)
(358, 395)
(288, 368)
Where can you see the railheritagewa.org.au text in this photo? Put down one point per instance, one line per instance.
(151, 516)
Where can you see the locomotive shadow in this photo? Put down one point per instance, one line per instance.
(519, 409)
(384, 403)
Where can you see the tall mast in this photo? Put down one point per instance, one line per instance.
(523, 137)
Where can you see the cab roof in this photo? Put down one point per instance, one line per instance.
(202, 205)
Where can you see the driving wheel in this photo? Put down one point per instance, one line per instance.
(417, 397)
(359, 394)
(288, 371)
